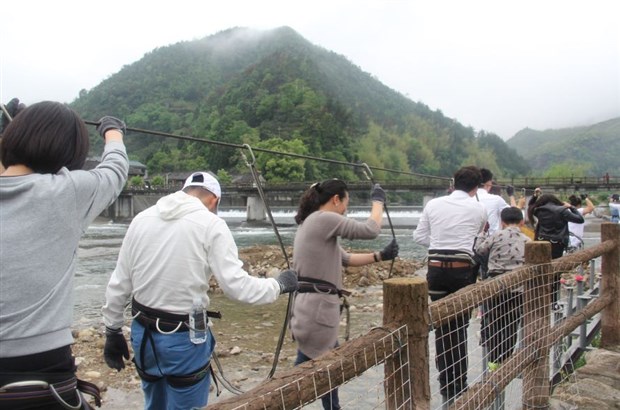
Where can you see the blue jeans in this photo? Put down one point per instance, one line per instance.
(176, 356)
(330, 401)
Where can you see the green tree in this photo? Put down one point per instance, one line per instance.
(280, 168)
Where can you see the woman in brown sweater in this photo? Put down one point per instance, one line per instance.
(318, 258)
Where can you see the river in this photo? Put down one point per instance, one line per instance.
(101, 242)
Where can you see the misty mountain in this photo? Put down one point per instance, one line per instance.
(274, 89)
(588, 150)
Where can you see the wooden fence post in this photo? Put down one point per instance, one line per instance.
(610, 284)
(405, 301)
(536, 326)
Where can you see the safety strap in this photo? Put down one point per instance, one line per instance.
(313, 285)
(289, 305)
(43, 389)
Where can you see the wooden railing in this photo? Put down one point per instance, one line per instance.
(406, 304)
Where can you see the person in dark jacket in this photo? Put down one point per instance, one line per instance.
(552, 217)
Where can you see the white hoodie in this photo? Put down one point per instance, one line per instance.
(168, 255)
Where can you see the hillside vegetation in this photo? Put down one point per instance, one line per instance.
(591, 150)
(275, 90)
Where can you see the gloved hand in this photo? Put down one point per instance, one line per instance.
(377, 194)
(288, 281)
(583, 196)
(390, 251)
(110, 123)
(14, 107)
(115, 349)
(510, 190)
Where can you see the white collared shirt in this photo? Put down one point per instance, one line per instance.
(451, 223)
(494, 205)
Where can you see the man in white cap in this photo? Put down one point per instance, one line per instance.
(167, 257)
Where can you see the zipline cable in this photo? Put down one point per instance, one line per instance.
(370, 177)
(269, 151)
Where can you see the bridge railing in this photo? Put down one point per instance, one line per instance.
(401, 345)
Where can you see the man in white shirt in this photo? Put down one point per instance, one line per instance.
(448, 227)
(493, 203)
(165, 262)
(576, 229)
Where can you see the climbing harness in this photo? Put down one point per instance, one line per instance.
(369, 175)
(154, 320)
(45, 389)
(313, 285)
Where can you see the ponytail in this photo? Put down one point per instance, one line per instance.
(318, 194)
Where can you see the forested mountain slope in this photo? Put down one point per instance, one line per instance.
(589, 150)
(274, 89)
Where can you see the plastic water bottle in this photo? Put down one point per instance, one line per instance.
(198, 322)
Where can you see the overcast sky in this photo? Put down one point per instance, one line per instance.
(494, 65)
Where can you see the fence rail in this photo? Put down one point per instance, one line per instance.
(401, 345)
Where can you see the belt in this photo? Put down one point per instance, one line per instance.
(449, 264)
(312, 285)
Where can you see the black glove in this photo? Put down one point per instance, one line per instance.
(288, 281)
(14, 107)
(390, 251)
(115, 349)
(110, 123)
(510, 190)
(583, 196)
(377, 194)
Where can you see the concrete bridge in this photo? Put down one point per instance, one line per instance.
(132, 201)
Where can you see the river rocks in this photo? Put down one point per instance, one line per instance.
(596, 385)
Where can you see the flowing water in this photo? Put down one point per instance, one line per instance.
(100, 244)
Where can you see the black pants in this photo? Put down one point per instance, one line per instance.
(451, 338)
(53, 361)
(500, 323)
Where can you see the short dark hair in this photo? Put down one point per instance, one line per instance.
(574, 200)
(486, 174)
(45, 137)
(467, 178)
(511, 215)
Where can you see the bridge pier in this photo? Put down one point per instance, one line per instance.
(255, 209)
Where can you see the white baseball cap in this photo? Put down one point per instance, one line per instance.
(206, 181)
